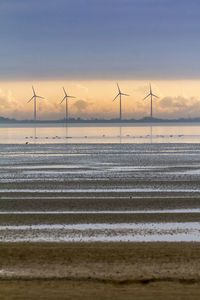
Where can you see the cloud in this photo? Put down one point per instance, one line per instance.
(179, 106)
(166, 108)
(176, 102)
(80, 106)
(9, 107)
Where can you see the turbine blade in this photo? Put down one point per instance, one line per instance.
(33, 90)
(147, 96)
(63, 100)
(118, 88)
(116, 97)
(71, 97)
(155, 96)
(64, 91)
(125, 94)
(40, 97)
(30, 99)
(150, 88)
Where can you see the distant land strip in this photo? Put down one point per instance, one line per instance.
(79, 120)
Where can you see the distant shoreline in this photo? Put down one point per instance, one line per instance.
(99, 121)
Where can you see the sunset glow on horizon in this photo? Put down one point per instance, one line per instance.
(177, 99)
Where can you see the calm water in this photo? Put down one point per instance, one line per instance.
(100, 133)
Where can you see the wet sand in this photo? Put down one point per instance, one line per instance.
(150, 202)
(100, 270)
(82, 178)
(62, 289)
(32, 219)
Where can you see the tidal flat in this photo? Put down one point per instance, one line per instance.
(100, 221)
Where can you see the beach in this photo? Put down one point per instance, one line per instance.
(96, 221)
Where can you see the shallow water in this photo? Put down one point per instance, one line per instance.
(100, 133)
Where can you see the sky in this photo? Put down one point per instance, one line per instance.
(89, 45)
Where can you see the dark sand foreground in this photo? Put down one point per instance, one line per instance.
(100, 271)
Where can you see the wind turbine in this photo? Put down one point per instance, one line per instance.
(34, 97)
(66, 103)
(120, 101)
(151, 95)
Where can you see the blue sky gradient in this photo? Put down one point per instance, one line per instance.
(99, 39)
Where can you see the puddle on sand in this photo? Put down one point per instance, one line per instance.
(147, 232)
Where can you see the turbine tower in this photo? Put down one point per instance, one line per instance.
(120, 101)
(34, 97)
(66, 103)
(151, 95)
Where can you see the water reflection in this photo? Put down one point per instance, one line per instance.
(120, 134)
(151, 134)
(35, 134)
(66, 131)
